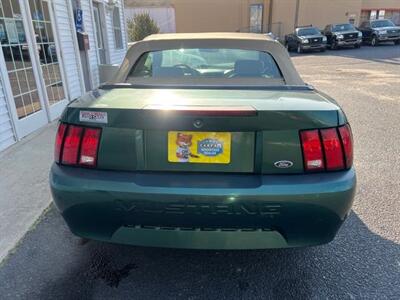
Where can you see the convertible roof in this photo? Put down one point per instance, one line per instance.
(209, 35)
(230, 40)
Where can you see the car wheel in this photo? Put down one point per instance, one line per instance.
(287, 47)
(357, 46)
(322, 49)
(374, 41)
(397, 42)
(299, 50)
(334, 45)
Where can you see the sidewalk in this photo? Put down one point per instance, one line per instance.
(24, 188)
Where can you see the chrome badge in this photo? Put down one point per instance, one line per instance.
(283, 164)
(198, 123)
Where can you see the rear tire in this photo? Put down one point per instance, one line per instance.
(374, 41)
(357, 46)
(287, 47)
(334, 45)
(397, 42)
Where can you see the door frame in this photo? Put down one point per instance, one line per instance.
(47, 113)
(55, 110)
(36, 120)
(4, 79)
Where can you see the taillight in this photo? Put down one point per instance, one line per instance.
(90, 144)
(72, 142)
(77, 145)
(347, 140)
(333, 149)
(312, 150)
(59, 140)
(327, 149)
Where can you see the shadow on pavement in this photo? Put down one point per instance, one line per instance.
(51, 263)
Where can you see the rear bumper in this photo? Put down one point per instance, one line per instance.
(203, 211)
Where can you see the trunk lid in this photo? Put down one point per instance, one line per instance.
(141, 125)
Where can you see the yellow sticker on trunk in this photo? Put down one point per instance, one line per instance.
(199, 147)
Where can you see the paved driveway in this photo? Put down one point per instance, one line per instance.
(362, 262)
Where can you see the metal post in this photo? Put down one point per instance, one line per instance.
(296, 16)
(271, 7)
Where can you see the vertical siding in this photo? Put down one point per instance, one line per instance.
(7, 137)
(116, 55)
(69, 57)
(88, 24)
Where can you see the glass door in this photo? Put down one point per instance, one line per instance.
(18, 56)
(51, 70)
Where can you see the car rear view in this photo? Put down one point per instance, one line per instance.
(207, 141)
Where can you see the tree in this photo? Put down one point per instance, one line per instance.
(140, 26)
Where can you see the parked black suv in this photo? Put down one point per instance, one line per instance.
(340, 35)
(377, 31)
(305, 38)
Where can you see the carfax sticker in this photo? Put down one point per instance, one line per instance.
(199, 147)
(93, 116)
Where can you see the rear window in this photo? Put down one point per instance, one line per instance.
(204, 63)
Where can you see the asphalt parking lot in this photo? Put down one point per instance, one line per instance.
(363, 262)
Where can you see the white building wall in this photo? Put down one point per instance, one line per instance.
(7, 137)
(88, 25)
(116, 55)
(67, 39)
(65, 30)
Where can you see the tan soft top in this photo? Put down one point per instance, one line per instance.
(209, 35)
(217, 40)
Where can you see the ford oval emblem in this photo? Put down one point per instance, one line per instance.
(198, 123)
(283, 164)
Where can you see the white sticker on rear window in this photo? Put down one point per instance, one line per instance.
(93, 116)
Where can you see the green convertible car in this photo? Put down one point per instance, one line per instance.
(205, 141)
